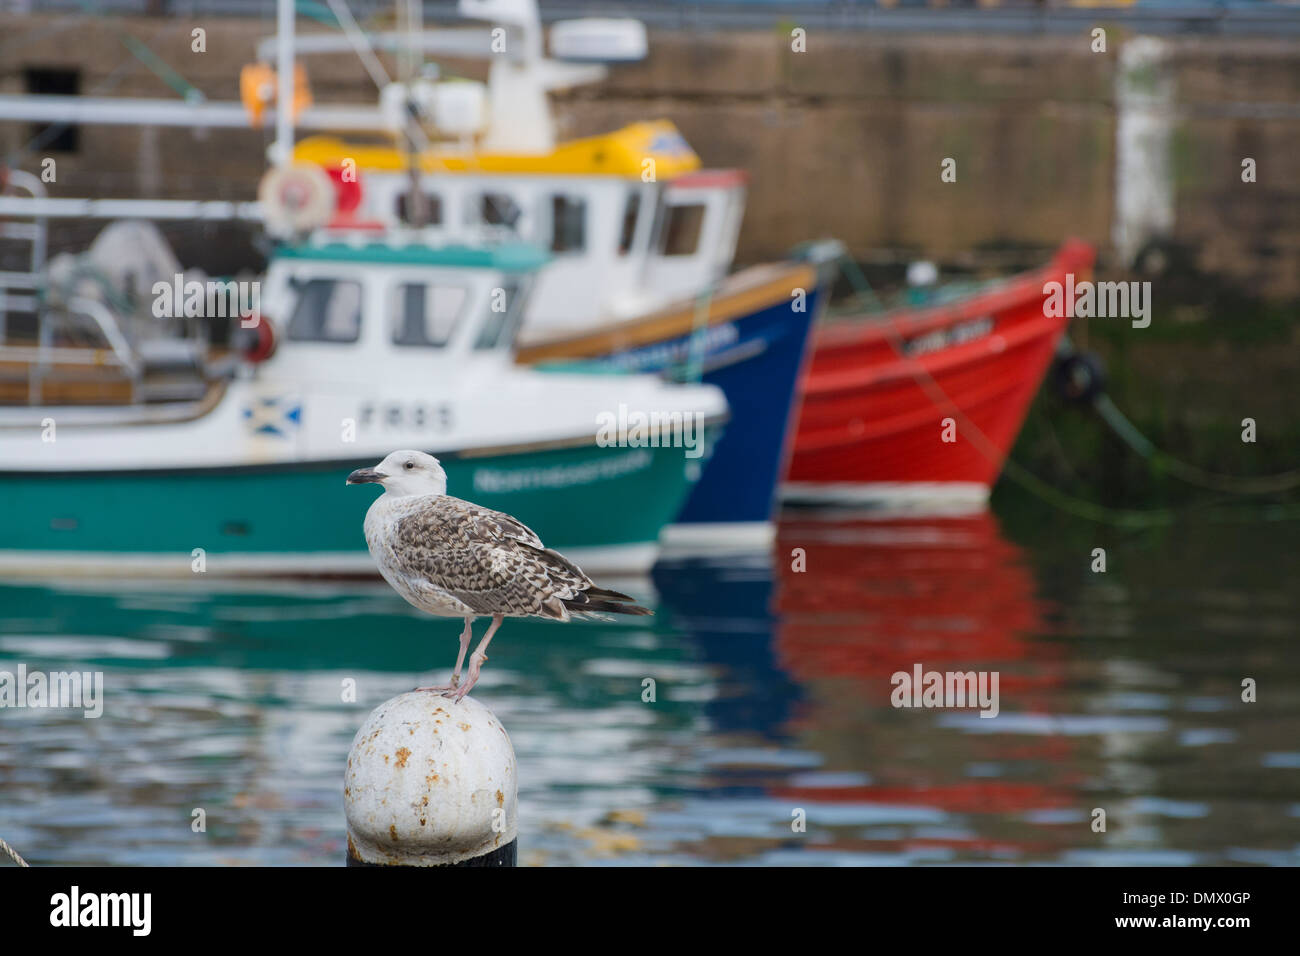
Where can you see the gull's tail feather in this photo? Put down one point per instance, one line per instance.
(608, 595)
(606, 602)
(609, 607)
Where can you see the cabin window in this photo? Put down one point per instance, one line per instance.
(425, 315)
(499, 209)
(505, 305)
(568, 224)
(630, 213)
(432, 208)
(681, 230)
(328, 310)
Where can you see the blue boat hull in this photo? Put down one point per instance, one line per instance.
(757, 359)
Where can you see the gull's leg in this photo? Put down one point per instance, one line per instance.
(465, 635)
(476, 659)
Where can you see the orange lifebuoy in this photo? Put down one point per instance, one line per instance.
(264, 340)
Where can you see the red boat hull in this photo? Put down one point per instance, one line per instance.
(879, 391)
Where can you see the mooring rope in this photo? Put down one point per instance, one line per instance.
(1121, 517)
(1109, 413)
(696, 345)
(12, 853)
(1026, 479)
(1185, 471)
(1125, 429)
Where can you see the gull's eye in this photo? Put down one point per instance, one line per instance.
(410, 465)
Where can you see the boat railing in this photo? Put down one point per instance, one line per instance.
(44, 356)
(21, 291)
(50, 336)
(109, 329)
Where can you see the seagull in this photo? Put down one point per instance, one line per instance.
(453, 558)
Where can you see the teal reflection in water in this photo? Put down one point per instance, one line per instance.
(1119, 691)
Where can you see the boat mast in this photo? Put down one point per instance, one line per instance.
(411, 60)
(282, 149)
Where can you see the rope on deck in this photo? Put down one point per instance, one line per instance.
(12, 853)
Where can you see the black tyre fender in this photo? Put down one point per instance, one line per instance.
(1079, 377)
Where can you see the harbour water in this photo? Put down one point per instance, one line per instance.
(772, 688)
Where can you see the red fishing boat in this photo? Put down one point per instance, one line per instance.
(922, 404)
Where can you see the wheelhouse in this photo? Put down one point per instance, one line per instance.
(629, 220)
(345, 306)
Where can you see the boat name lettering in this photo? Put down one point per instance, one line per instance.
(680, 350)
(499, 481)
(958, 334)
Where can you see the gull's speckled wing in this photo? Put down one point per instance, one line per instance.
(487, 560)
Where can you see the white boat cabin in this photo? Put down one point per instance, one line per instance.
(619, 246)
(393, 305)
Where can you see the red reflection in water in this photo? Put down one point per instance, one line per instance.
(881, 595)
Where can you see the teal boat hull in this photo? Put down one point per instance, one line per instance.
(606, 505)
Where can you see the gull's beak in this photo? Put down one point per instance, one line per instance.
(365, 475)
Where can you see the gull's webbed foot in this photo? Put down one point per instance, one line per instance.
(445, 689)
(475, 663)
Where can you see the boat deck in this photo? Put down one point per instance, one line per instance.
(78, 376)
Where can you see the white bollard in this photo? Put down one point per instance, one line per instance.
(431, 782)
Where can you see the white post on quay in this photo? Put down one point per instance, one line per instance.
(431, 782)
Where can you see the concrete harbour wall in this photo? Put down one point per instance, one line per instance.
(845, 139)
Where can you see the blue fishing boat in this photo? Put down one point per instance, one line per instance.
(749, 336)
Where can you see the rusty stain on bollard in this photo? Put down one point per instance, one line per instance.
(431, 782)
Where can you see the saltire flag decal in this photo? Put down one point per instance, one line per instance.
(278, 415)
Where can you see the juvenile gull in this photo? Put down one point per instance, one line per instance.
(454, 559)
